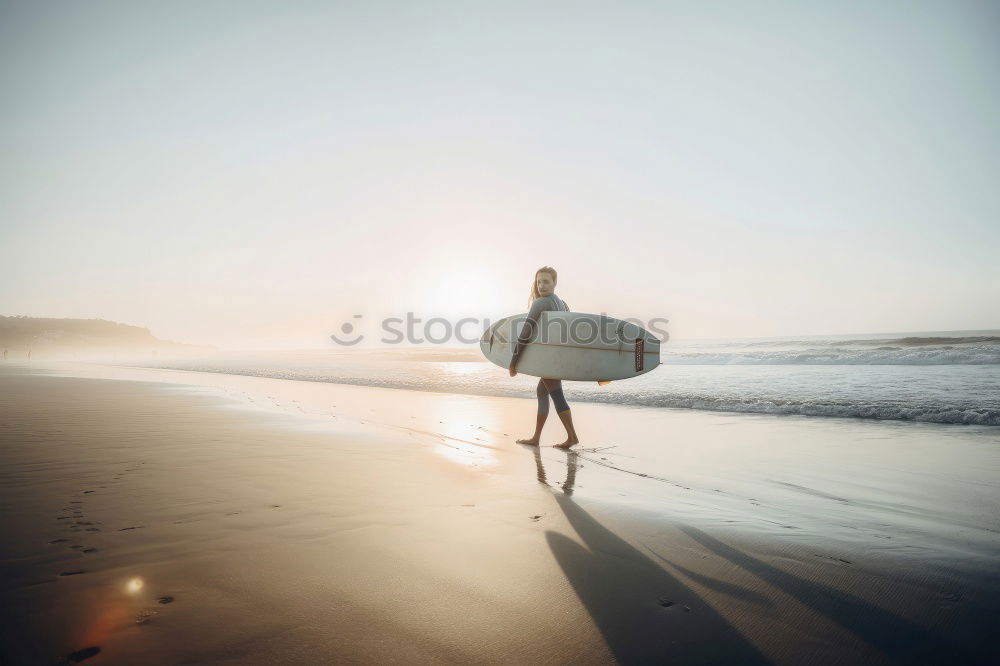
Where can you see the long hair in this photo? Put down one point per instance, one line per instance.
(534, 287)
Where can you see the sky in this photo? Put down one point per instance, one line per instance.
(252, 175)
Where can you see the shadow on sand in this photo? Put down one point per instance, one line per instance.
(645, 614)
(898, 638)
(648, 616)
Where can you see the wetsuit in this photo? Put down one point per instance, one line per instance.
(546, 387)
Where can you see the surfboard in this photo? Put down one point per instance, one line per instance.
(575, 346)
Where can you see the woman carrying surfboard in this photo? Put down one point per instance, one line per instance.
(543, 299)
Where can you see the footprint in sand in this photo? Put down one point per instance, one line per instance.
(72, 573)
(90, 550)
(165, 600)
(80, 655)
(144, 617)
(59, 541)
(833, 559)
(133, 527)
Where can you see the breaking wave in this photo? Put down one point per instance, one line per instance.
(964, 412)
(936, 350)
(930, 377)
(899, 411)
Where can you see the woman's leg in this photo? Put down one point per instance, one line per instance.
(554, 387)
(542, 394)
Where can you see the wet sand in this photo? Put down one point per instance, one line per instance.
(170, 517)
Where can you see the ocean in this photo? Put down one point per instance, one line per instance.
(933, 377)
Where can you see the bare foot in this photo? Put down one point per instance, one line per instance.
(530, 442)
(568, 443)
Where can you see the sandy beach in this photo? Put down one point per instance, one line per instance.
(283, 284)
(156, 516)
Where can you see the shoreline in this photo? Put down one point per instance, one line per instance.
(229, 496)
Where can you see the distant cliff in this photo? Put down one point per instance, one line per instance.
(44, 335)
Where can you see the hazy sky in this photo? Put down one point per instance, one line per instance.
(253, 174)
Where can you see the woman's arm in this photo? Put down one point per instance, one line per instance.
(539, 306)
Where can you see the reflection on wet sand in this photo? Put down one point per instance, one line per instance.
(572, 458)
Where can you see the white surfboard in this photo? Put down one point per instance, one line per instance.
(574, 346)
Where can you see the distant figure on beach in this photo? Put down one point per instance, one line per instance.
(29, 354)
(5, 354)
(543, 299)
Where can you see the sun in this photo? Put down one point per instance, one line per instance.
(461, 293)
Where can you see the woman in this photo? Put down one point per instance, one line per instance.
(543, 298)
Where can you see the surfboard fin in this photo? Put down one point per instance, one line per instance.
(603, 382)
